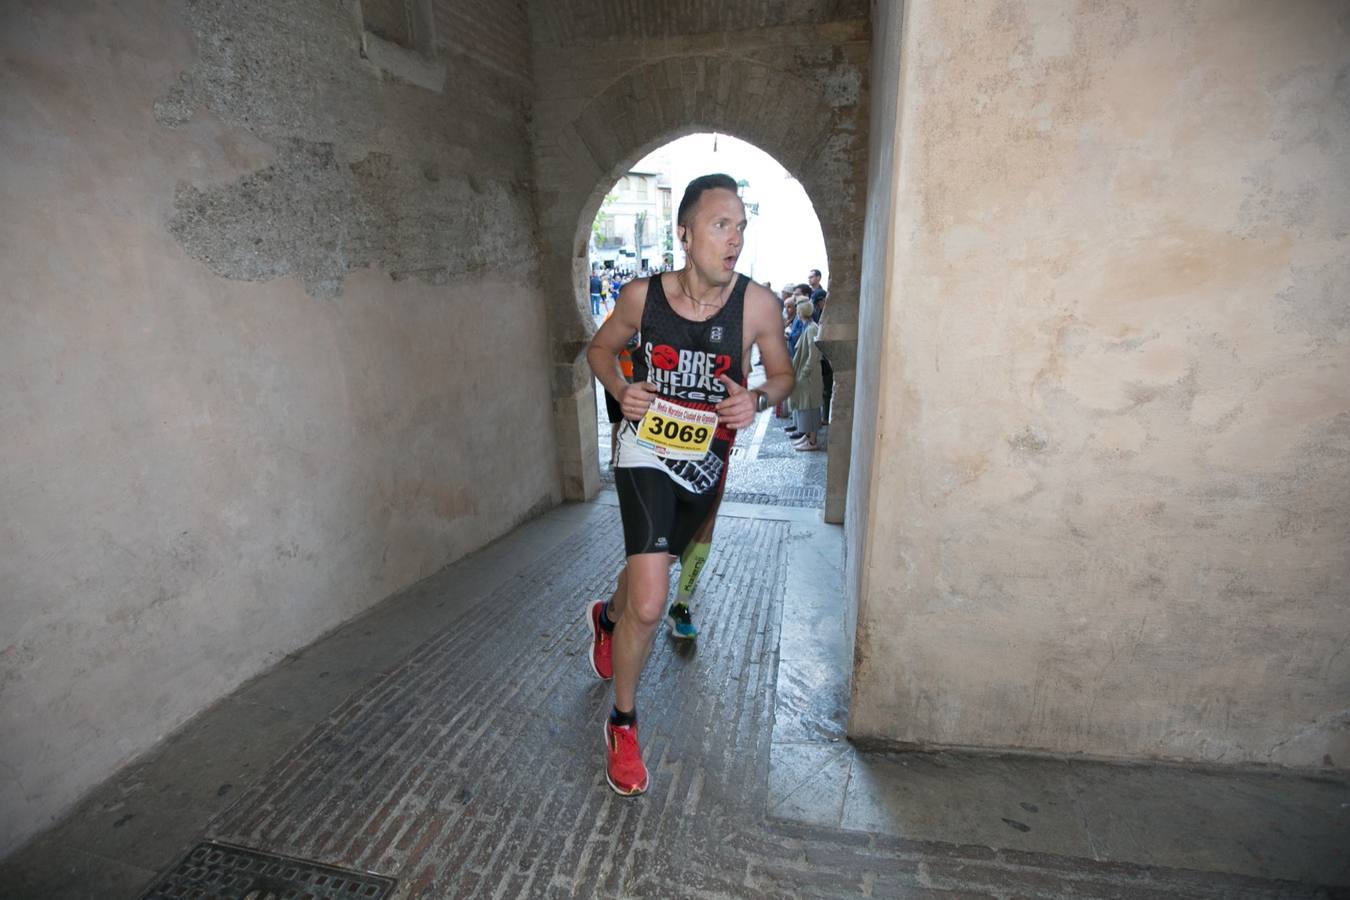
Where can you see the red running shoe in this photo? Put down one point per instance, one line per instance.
(602, 644)
(624, 769)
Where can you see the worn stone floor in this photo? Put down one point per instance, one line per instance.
(451, 739)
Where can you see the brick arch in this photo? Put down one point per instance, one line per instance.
(787, 116)
(694, 94)
(591, 207)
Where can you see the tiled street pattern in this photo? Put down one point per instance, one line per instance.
(473, 768)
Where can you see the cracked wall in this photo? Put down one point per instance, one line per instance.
(1109, 480)
(272, 347)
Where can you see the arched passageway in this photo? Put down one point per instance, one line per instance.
(634, 235)
(813, 125)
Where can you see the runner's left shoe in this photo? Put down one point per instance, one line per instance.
(681, 622)
(624, 769)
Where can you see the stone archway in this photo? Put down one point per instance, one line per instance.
(810, 128)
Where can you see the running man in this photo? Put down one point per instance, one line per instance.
(680, 616)
(681, 413)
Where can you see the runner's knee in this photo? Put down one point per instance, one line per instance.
(647, 612)
(647, 582)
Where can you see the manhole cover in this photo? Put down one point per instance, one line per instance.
(212, 871)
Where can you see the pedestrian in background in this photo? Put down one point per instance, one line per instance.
(805, 399)
(818, 298)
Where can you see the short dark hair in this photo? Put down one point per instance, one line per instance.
(815, 272)
(695, 190)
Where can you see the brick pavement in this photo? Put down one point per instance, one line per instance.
(473, 768)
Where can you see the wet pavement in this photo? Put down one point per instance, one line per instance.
(450, 739)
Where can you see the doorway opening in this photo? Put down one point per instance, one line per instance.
(633, 235)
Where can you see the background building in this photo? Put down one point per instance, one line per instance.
(633, 227)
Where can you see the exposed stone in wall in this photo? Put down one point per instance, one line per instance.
(314, 216)
(494, 32)
(369, 171)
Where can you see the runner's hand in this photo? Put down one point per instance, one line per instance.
(637, 397)
(738, 410)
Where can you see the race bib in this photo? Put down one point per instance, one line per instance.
(672, 431)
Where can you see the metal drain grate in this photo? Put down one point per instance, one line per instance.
(808, 496)
(803, 497)
(213, 871)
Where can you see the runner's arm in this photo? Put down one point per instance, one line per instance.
(603, 352)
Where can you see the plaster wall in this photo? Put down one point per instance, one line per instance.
(258, 302)
(1109, 500)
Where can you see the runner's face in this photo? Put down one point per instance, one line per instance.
(716, 234)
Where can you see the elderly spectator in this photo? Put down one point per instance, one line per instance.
(806, 396)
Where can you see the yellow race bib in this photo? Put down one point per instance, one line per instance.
(672, 431)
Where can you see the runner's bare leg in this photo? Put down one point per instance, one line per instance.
(645, 584)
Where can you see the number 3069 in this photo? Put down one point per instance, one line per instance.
(674, 431)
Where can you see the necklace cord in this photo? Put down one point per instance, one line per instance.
(701, 304)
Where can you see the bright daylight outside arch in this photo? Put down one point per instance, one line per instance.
(783, 237)
(633, 234)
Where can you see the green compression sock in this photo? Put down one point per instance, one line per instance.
(691, 566)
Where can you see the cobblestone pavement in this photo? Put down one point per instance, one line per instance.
(450, 738)
(473, 768)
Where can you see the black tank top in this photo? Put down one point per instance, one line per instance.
(683, 359)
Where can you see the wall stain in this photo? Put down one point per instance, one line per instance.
(1029, 439)
(367, 172)
(312, 216)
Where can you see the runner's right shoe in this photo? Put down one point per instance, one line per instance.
(624, 768)
(681, 622)
(602, 644)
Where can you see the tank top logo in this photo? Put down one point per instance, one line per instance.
(686, 374)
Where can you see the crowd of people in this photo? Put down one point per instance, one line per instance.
(607, 282)
(809, 403)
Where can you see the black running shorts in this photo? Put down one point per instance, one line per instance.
(658, 515)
